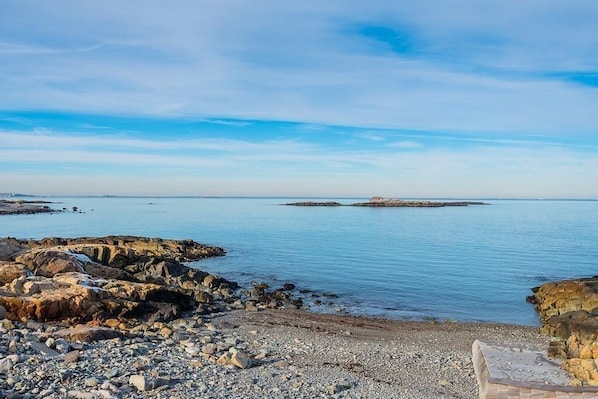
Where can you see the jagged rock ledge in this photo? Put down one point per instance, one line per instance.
(117, 278)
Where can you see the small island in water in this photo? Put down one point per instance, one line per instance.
(20, 207)
(381, 202)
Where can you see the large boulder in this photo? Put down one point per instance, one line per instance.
(569, 313)
(100, 278)
(43, 298)
(48, 262)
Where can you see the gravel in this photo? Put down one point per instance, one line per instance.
(242, 354)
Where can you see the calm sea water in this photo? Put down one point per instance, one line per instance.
(474, 263)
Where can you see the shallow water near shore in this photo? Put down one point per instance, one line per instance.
(475, 263)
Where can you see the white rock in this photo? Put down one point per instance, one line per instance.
(5, 365)
(81, 395)
(91, 382)
(139, 382)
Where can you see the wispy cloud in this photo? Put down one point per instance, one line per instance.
(464, 66)
(446, 95)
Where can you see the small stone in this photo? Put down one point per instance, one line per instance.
(62, 346)
(12, 346)
(5, 365)
(35, 326)
(91, 382)
(113, 372)
(108, 386)
(209, 349)
(241, 360)
(2, 312)
(224, 359)
(71, 357)
(81, 395)
(112, 323)
(139, 382)
(51, 343)
(339, 387)
(8, 324)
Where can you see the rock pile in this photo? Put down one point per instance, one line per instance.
(52, 360)
(569, 313)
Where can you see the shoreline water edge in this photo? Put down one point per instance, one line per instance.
(162, 329)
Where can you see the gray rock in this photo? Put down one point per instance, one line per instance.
(2, 312)
(113, 372)
(6, 365)
(81, 395)
(91, 382)
(43, 349)
(339, 387)
(71, 357)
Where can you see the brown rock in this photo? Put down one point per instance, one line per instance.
(10, 271)
(9, 247)
(240, 359)
(85, 333)
(48, 262)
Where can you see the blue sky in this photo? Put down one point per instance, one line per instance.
(337, 98)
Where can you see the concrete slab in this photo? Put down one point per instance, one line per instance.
(505, 372)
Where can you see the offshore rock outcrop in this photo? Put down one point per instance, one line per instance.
(21, 207)
(569, 313)
(380, 202)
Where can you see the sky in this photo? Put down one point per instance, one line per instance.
(426, 99)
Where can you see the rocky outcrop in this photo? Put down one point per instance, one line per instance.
(101, 278)
(569, 313)
(379, 202)
(110, 280)
(21, 207)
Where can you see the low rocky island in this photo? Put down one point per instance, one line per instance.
(21, 207)
(380, 202)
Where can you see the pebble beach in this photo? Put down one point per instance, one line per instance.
(282, 353)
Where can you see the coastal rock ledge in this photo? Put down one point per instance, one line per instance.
(115, 277)
(569, 313)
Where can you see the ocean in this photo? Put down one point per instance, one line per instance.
(475, 263)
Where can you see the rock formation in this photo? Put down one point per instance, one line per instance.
(21, 207)
(116, 278)
(101, 278)
(569, 313)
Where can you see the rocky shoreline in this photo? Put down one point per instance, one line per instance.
(124, 317)
(22, 207)
(569, 313)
